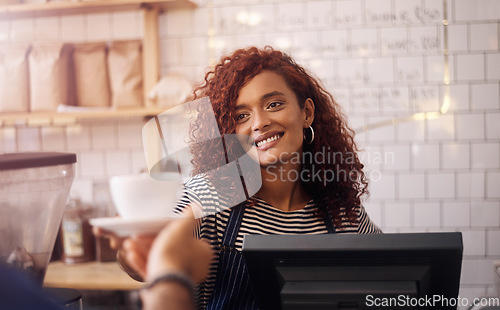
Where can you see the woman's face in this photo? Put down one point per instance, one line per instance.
(267, 110)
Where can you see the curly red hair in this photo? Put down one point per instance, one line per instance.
(334, 147)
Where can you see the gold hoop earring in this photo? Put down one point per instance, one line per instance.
(312, 135)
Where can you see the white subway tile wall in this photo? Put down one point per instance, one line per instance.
(396, 157)
(126, 25)
(22, 30)
(426, 214)
(476, 271)
(484, 37)
(441, 128)
(456, 214)
(78, 137)
(492, 179)
(492, 62)
(485, 155)
(457, 38)
(73, 28)
(474, 242)
(455, 155)
(382, 186)
(410, 131)
(384, 62)
(492, 244)
(459, 97)
(53, 138)
(28, 139)
(44, 29)
(440, 185)
(470, 67)
(470, 184)
(8, 143)
(397, 214)
(469, 126)
(98, 26)
(92, 163)
(485, 96)
(492, 125)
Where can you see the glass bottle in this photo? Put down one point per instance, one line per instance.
(77, 238)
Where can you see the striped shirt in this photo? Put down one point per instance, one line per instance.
(258, 219)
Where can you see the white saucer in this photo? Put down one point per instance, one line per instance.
(127, 227)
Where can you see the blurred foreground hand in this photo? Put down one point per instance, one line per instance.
(175, 249)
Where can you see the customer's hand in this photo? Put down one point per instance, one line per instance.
(132, 251)
(176, 250)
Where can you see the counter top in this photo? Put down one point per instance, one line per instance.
(89, 276)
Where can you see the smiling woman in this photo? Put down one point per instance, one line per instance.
(312, 179)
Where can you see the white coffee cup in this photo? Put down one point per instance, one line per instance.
(141, 196)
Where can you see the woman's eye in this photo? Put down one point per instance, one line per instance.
(274, 104)
(240, 116)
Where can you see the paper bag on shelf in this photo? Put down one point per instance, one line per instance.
(90, 75)
(125, 74)
(48, 70)
(14, 78)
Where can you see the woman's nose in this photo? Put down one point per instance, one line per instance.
(260, 120)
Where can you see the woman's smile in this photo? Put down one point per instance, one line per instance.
(263, 143)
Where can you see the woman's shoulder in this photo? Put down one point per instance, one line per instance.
(201, 190)
(365, 224)
(196, 182)
(362, 225)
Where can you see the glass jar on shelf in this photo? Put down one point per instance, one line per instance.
(77, 237)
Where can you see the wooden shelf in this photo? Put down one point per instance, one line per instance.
(56, 117)
(78, 7)
(89, 276)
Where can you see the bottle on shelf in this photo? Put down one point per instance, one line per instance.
(77, 237)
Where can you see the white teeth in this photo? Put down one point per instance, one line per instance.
(273, 138)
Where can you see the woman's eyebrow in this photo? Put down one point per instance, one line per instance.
(271, 94)
(262, 98)
(240, 107)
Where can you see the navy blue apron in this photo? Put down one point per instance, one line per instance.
(232, 284)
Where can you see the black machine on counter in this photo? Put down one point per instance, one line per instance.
(351, 271)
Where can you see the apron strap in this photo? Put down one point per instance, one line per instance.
(329, 223)
(233, 226)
